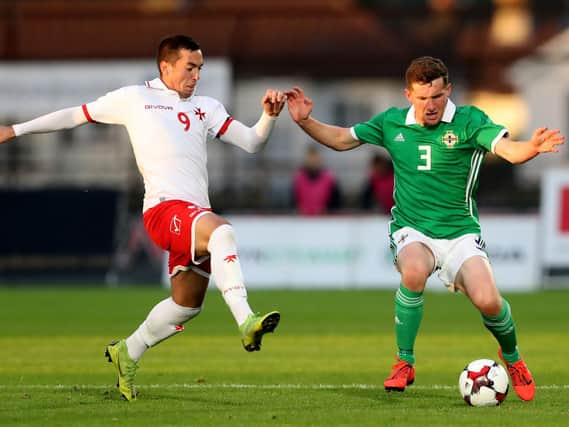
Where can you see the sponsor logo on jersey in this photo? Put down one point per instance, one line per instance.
(449, 138)
(399, 138)
(198, 112)
(179, 328)
(158, 107)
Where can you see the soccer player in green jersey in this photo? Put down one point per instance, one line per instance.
(437, 149)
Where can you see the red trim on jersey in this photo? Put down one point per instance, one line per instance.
(224, 127)
(86, 112)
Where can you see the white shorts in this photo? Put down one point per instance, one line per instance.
(449, 254)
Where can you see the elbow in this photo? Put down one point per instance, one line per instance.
(254, 142)
(338, 148)
(252, 149)
(343, 145)
(516, 160)
(255, 145)
(510, 159)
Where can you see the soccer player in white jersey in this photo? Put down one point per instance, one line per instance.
(168, 127)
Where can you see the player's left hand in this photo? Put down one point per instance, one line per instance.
(273, 102)
(547, 140)
(6, 133)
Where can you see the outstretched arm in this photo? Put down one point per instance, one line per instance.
(61, 119)
(543, 140)
(253, 139)
(335, 137)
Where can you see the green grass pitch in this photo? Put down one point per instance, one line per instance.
(324, 366)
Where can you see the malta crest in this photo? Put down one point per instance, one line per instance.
(449, 138)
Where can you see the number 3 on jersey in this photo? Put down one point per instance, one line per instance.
(425, 156)
(185, 120)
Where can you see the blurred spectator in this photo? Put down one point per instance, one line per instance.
(315, 188)
(378, 189)
(138, 249)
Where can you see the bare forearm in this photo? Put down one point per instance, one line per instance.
(335, 137)
(543, 140)
(516, 151)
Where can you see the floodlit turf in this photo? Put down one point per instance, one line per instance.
(324, 366)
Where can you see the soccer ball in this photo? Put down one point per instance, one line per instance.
(484, 382)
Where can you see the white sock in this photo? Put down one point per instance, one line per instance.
(226, 271)
(166, 319)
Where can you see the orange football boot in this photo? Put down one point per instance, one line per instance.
(523, 383)
(402, 375)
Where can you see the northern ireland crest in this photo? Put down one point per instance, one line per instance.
(449, 138)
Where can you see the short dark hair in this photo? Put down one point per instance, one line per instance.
(169, 48)
(424, 70)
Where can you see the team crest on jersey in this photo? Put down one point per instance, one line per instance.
(198, 112)
(449, 138)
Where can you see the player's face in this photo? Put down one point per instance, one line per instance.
(183, 75)
(429, 100)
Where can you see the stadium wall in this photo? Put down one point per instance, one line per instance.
(57, 235)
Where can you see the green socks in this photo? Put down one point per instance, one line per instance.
(503, 328)
(409, 312)
(408, 315)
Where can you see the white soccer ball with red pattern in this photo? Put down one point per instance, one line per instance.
(484, 382)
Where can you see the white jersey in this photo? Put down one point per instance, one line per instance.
(168, 135)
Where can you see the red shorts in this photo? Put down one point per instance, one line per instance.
(171, 226)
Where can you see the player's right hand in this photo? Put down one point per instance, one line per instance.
(299, 106)
(6, 133)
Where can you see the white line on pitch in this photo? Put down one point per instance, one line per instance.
(251, 386)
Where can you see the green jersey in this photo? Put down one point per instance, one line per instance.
(436, 168)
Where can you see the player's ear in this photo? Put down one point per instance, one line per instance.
(164, 68)
(449, 89)
(407, 93)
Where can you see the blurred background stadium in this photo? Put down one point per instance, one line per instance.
(71, 200)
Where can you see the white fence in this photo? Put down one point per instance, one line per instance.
(353, 252)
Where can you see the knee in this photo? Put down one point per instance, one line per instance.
(181, 314)
(165, 319)
(488, 305)
(222, 235)
(190, 313)
(414, 276)
(188, 289)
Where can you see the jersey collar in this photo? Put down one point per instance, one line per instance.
(448, 115)
(157, 83)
